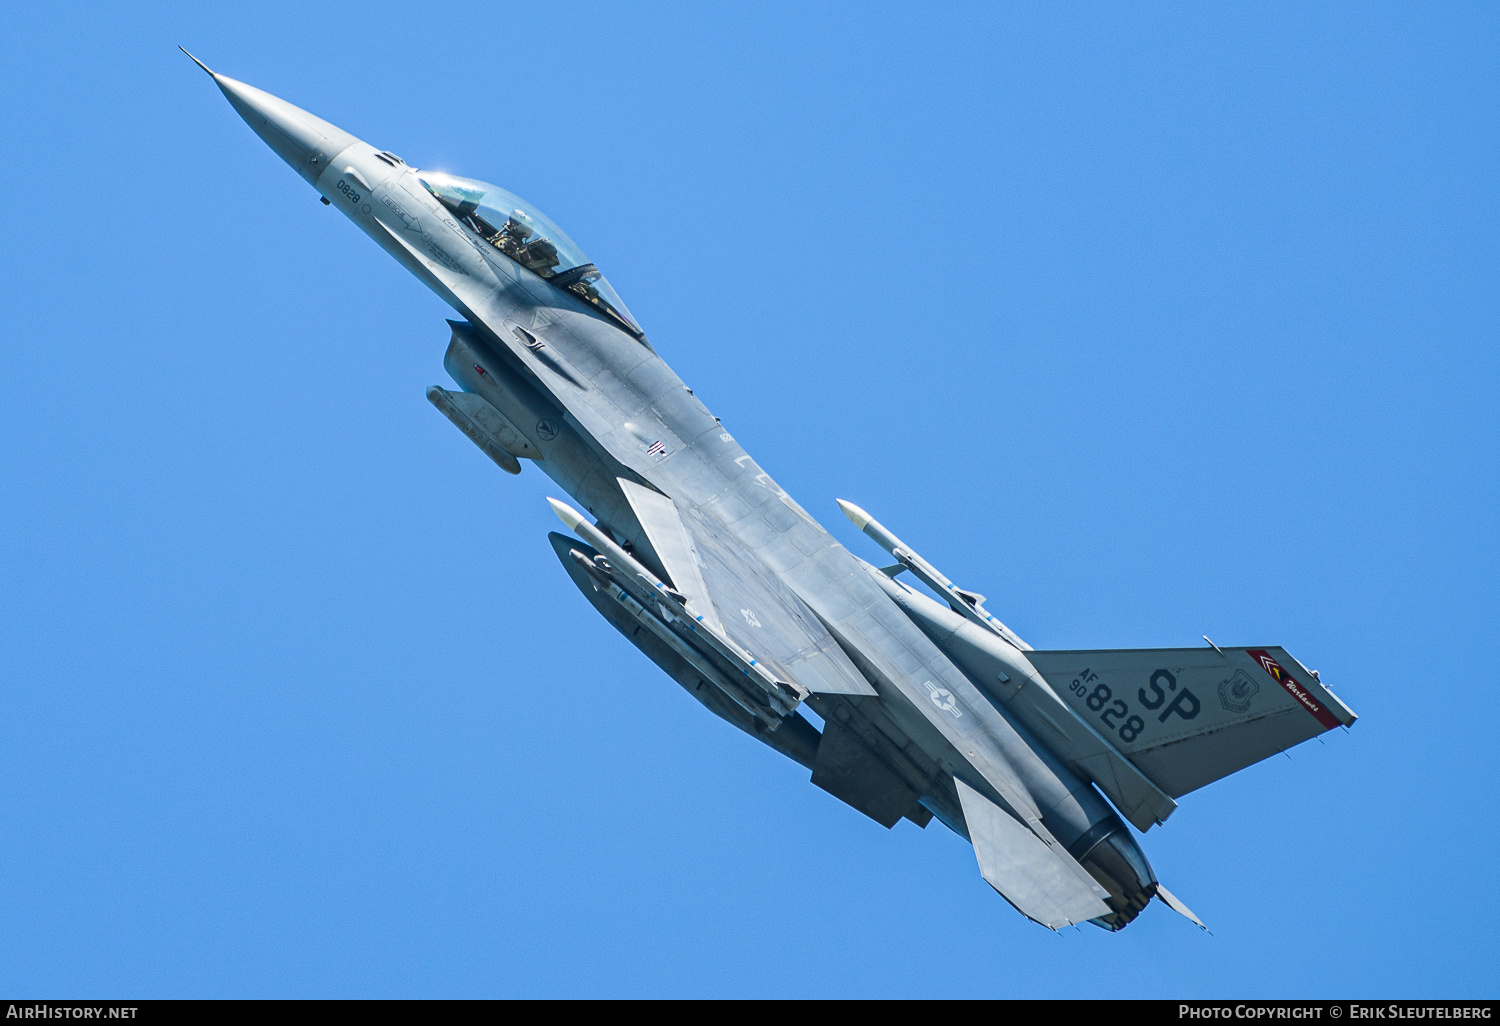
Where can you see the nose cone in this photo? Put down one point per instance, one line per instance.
(303, 140)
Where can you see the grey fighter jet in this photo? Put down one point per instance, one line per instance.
(931, 707)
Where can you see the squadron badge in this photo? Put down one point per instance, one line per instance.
(1236, 692)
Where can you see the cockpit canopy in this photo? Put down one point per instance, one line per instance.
(528, 237)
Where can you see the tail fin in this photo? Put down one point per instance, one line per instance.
(1187, 716)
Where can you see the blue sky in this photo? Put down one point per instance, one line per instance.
(1147, 321)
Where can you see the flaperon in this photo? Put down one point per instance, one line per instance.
(931, 707)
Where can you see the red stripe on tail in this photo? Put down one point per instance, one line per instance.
(1301, 694)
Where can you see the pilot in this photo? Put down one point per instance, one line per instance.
(537, 255)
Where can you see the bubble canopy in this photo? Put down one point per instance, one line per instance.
(529, 237)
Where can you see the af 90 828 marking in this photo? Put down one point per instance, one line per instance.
(1115, 713)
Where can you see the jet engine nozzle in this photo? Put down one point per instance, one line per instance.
(1120, 867)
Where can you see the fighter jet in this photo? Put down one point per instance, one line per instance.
(930, 706)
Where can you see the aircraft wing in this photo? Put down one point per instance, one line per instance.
(743, 600)
(1187, 716)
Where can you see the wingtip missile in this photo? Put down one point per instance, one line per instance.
(871, 527)
(968, 604)
(570, 517)
(856, 515)
(647, 587)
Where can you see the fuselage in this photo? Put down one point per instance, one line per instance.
(598, 404)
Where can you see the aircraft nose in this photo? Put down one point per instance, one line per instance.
(303, 140)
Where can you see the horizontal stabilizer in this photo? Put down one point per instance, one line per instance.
(1045, 885)
(1171, 901)
(1187, 716)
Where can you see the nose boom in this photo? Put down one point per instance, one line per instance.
(303, 140)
